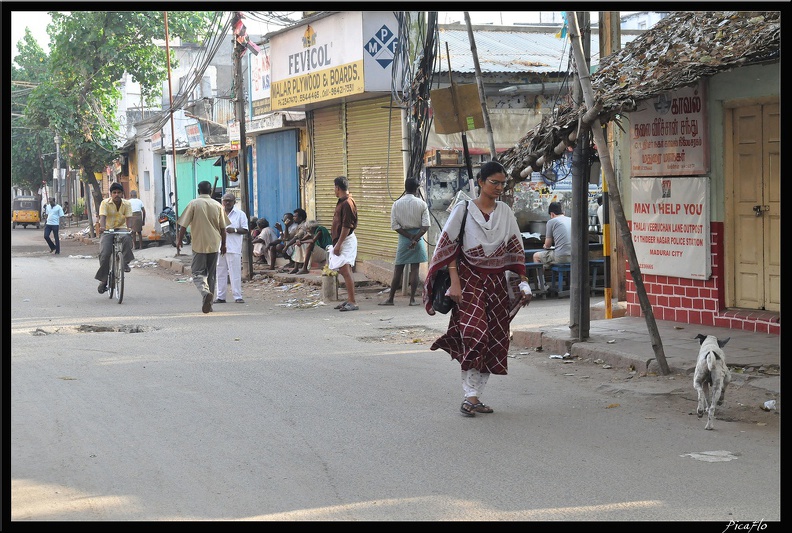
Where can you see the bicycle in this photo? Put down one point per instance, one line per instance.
(115, 277)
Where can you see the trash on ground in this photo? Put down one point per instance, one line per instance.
(769, 405)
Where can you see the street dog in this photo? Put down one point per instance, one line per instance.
(711, 376)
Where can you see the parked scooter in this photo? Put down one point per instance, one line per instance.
(167, 220)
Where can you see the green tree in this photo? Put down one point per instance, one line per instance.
(32, 149)
(90, 51)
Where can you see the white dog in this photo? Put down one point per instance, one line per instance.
(711, 376)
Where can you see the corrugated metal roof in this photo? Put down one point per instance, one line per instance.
(510, 49)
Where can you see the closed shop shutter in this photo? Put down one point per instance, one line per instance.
(375, 172)
(277, 174)
(328, 157)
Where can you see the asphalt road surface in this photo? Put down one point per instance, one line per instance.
(283, 409)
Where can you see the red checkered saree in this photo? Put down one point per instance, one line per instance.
(478, 330)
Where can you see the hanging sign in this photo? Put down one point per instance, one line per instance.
(195, 136)
(233, 133)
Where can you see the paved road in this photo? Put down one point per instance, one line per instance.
(281, 410)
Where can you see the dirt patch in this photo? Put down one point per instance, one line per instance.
(404, 335)
(93, 328)
(742, 403)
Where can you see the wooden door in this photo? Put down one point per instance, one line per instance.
(756, 204)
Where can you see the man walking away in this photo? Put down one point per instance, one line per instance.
(208, 221)
(341, 254)
(410, 219)
(53, 212)
(138, 219)
(229, 265)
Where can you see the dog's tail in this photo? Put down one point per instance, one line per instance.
(712, 359)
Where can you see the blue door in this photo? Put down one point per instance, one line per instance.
(277, 175)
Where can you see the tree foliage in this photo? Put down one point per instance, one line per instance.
(90, 52)
(32, 149)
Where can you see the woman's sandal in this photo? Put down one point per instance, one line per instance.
(481, 408)
(467, 409)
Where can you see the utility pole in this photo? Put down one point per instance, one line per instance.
(579, 294)
(621, 220)
(239, 112)
(480, 83)
(56, 179)
(173, 132)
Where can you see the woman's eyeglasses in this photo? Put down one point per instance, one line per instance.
(496, 183)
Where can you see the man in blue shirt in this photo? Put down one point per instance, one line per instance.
(53, 212)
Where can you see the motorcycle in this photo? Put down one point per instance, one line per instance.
(167, 221)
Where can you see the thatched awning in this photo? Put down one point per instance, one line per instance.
(678, 51)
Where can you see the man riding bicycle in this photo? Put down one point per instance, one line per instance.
(114, 213)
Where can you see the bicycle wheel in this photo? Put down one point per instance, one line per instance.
(111, 276)
(119, 276)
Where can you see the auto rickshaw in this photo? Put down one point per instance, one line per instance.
(26, 211)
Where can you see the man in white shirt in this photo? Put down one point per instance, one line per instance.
(410, 219)
(229, 265)
(138, 219)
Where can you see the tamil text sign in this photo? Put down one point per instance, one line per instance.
(668, 134)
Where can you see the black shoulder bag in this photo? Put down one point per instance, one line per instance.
(442, 282)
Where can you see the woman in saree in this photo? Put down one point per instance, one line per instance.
(488, 285)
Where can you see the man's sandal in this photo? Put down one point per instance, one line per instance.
(339, 306)
(481, 408)
(467, 409)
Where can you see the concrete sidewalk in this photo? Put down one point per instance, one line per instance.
(625, 343)
(622, 342)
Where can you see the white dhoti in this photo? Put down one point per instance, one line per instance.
(229, 268)
(347, 255)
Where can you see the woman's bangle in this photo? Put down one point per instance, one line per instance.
(451, 266)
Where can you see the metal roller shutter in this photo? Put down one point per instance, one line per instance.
(375, 172)
(329, 151)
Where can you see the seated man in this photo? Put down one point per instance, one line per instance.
(314, 246)
(297, 252)
(262, 239)
(276, 247)
(559, 235)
